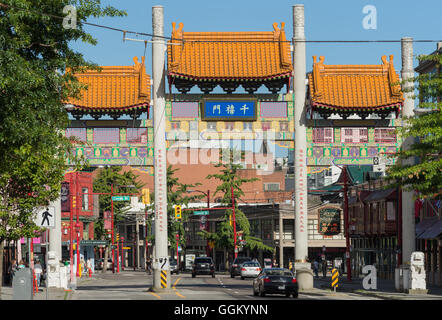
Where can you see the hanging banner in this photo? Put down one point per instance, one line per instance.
(107, 220)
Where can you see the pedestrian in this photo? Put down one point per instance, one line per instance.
(11, 270)
(89, 265)
(316, 268)
(21, 265)
(38, 271)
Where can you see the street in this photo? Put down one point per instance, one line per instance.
(135, 285)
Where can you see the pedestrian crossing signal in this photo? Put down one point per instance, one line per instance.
(146, 196)
(177, 212)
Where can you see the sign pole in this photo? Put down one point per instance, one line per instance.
(161, 278)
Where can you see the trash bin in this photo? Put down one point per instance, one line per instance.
(22, 285)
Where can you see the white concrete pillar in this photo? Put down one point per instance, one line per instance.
(55, 233)
(160, 166)
(408, 223)
(303, 270)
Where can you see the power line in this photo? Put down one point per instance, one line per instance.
(209, 41)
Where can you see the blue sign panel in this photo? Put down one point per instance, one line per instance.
(229, 110)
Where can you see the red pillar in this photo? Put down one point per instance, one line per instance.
(77, 226)
(234, 225)
(112, 217)
(347, 234)
(71, 229)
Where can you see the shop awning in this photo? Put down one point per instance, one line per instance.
(422, 226)
(433, 231)
(380, 195)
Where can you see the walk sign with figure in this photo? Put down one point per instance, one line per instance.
(46, 217)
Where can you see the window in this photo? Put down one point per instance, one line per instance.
(136, 135)
(385, 135)
(85, 199)
(323, 135)
(106, 135)
(354, 135)
(266, 229)
(79, 133)
(273, 186)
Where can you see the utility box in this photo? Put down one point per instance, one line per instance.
(22, 285)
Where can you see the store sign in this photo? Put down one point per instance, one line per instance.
(329, 221)
(229, 110)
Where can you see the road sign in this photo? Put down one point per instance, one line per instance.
(120, 198)
(45, 217)
(201, 213)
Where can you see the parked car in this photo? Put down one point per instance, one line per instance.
(250, 269)
(100, 262)
(173, 265)
(235, 268)
(275, 281)
(203, 265)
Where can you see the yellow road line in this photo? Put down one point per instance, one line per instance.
(175, 290)
(155, 295)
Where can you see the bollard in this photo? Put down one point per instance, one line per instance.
(335, 278)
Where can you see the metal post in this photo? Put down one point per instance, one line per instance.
(303, 269)
(123, 260)
(347, 233)
(71, 229)
(77, 226)
(208, 250)
(112, 231)
(234, 225)
(160, 169)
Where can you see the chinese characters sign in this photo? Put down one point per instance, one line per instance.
(229, 110)
(329, 221)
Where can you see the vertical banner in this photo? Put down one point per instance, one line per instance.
(65, 197)
(107, 220)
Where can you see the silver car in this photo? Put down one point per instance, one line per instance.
(250, 269)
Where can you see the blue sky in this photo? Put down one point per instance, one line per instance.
(324, 20)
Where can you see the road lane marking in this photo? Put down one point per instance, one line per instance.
(155, 295)
(175, 290)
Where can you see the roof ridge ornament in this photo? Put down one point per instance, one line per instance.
(177, 36)
(393, 78)
(317, 68)
(284, 49)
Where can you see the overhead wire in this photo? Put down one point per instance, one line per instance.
(208, 41)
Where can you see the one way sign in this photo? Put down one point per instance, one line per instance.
(45, 217)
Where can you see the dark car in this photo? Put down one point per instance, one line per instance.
(203, 265)
(275, 280)
(173, 265)
(235, 269)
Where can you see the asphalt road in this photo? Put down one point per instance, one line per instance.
(135, 285)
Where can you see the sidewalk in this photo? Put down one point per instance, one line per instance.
(385, 289)
(53, 294)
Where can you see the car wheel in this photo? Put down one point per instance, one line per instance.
(287, 295)
(213, 275)
(232, 276)
(254, 292)
(295, 295)
(261, 292)
(242, 278)
(193, 275)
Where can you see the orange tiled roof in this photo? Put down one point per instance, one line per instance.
(114, 88)
(216, 55)
(355, 87)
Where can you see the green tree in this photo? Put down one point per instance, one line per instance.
(111, 179)
(424, 174)
(34, 54)
(224, 236)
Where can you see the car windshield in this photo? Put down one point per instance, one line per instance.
(172, 262)
(251, 264)
(279, 272)
(203, 260)
(241, 260)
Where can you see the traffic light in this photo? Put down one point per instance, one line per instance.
(74, 201)
(177, 212)
(118, 237)
(146, 196)
(230, 220)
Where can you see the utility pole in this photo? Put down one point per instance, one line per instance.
(159, 104)
(346, 232)
(302, 267)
